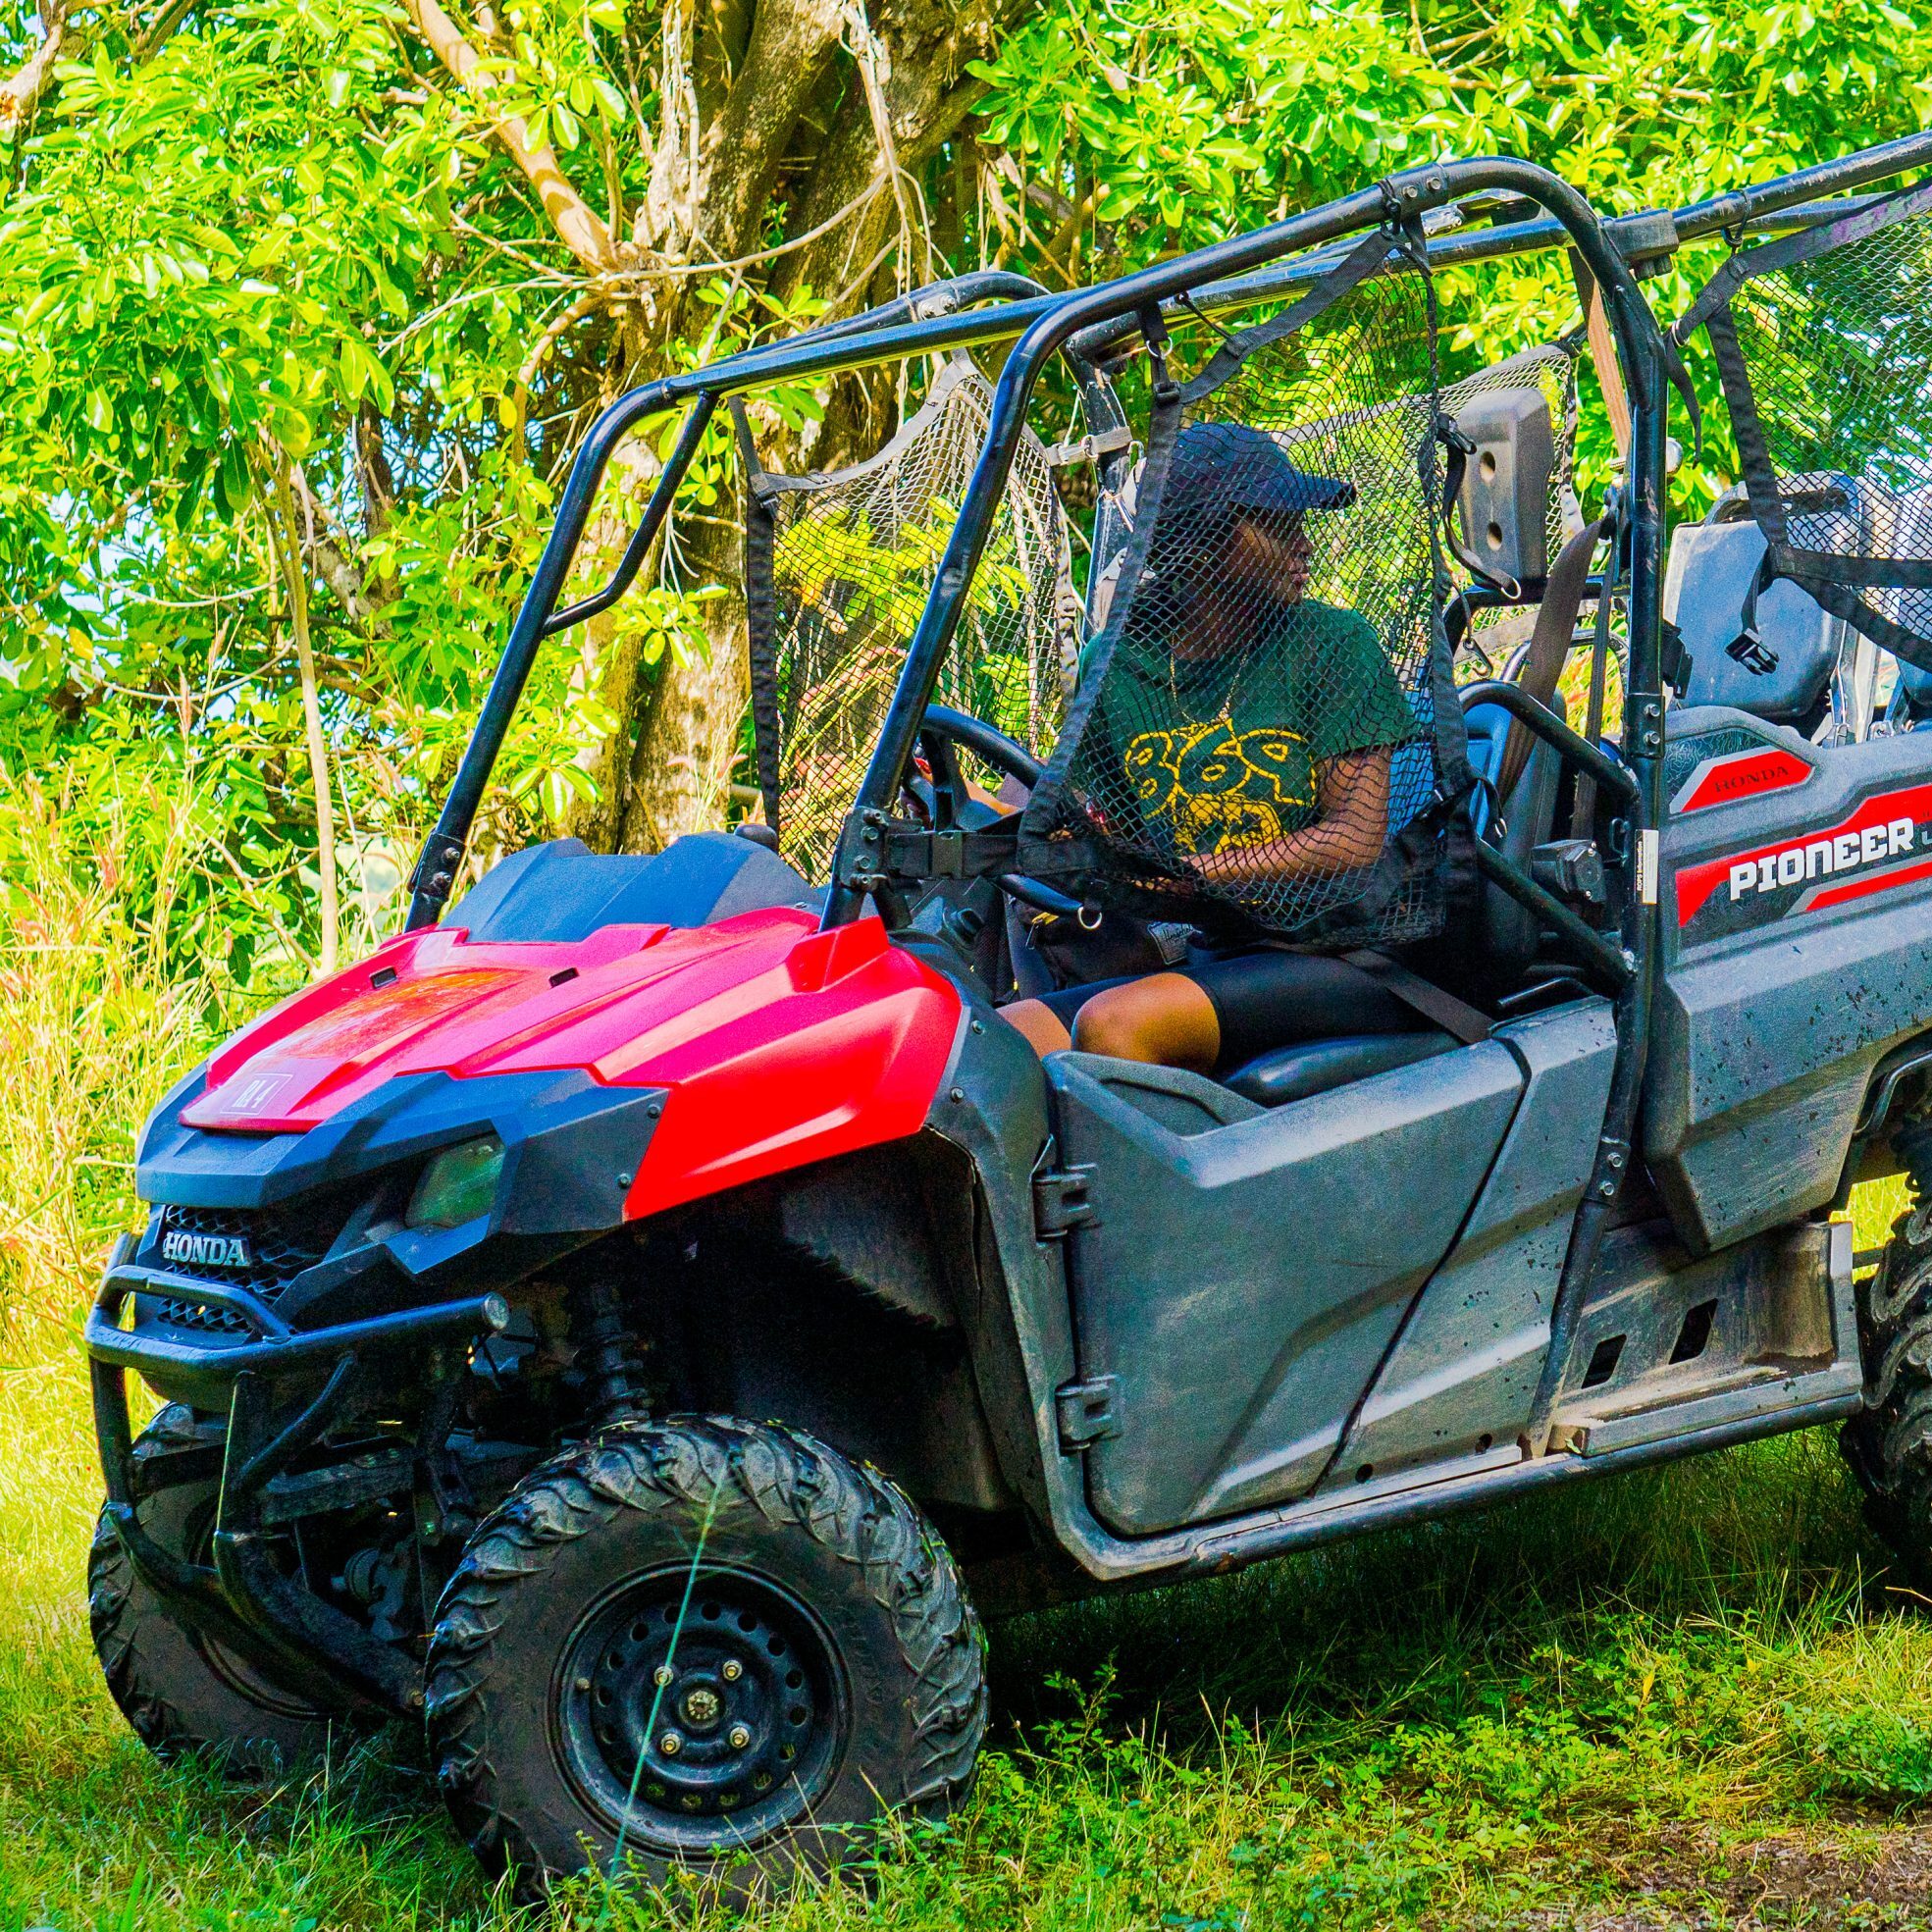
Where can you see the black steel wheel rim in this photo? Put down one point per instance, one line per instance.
(718, 1730)
(232, 1672)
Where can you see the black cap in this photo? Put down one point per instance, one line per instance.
(1245, 469)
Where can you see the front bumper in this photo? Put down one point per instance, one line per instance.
(285, 1367)
(571, 1149)
(243, 1599)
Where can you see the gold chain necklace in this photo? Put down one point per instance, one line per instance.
(1225, 716)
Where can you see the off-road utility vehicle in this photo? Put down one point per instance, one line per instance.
(623, 1323)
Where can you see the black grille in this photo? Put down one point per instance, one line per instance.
(280, 1244)
(199, 1316)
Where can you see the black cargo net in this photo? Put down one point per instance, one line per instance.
(1265, 734)
(838, 567)
(1823, 341)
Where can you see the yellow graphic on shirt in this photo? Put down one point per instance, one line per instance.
(1213, 789)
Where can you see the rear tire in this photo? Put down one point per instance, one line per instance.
(1889, 1444)
(183, 1694)
(742, 1720)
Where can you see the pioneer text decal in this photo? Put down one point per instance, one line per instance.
(1884, 842)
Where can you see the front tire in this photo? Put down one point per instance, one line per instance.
(701, 1642)
(185, 1693)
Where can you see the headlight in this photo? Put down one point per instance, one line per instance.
(459, 1184)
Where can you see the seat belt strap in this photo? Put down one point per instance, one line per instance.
(1421, 996)
(1549, 644)
(1604, 353)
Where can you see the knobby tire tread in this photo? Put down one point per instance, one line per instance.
(158, 1724)
(1889, 1443)
(795, 1483)
(115, 1615)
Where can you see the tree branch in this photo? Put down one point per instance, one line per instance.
(21, 92)
(155, 36)
(285, 541)
(925, 99)
(577, 224)
(791, 49)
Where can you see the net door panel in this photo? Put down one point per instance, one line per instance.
(849, 560)
(1256, 739)
(1824, 345)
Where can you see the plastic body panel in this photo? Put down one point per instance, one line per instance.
(1224, 1278)
(1758, 1326)
(1798, 948)
(773, 1043)
(1463, 1371)
(1506, 483)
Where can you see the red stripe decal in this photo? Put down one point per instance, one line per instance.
(1745, 775)
(1837, 895)
(1696, 883)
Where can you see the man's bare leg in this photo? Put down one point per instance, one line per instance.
(1040, 1025)
(1162, 1020)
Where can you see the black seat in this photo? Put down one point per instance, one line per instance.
(1311, 1067)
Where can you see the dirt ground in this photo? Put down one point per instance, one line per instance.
(1854, 1873)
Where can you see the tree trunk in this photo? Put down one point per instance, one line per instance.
(830, 110)
(680, 771)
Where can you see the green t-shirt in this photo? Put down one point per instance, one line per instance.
(1220, 753)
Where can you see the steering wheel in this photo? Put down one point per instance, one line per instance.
(942, 734)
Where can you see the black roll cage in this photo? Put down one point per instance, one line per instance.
(1243, 270)
(1086, 321)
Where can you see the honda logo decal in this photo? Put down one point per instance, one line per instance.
(205, 1250)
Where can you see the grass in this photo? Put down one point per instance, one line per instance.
(1685, 1696)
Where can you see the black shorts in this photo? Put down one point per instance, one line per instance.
(1265, 999)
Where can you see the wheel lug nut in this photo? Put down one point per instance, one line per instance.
(733, 1670)
(670, 1743)
(661, 1676)
(740, 1737)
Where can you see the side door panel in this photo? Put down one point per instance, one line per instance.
(1243, 1271)
(1460, 1380)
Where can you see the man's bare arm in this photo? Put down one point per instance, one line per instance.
(1353, 794)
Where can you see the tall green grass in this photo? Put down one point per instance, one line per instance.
(1626, 1685)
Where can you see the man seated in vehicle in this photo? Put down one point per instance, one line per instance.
(1255, 728)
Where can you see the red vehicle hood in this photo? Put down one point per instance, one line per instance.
(776, 1043)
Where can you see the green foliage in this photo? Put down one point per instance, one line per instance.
(1183, 123)
(269, 243)
(275, 238)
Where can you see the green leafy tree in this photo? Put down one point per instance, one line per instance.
(306, 303)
